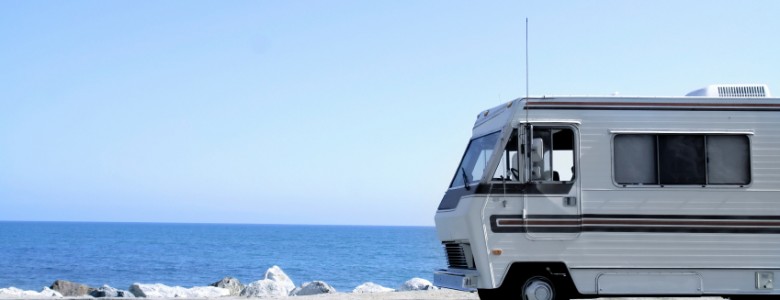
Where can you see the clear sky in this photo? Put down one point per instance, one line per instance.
(315, 112)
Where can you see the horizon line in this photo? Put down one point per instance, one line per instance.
(210, 223)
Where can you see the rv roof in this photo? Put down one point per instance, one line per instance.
(732, 98)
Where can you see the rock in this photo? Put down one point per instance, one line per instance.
(276, 274)
(47, 292)
(163, 291)
(232, 284)
(109, 292)
(313, 288)
(275, 284)
(67, 288)
(138, 289)
(15, 293)
(370, 287)
(265, 288)
(12, 292)
(417, 284)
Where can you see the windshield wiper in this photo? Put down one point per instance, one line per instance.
(465, 179)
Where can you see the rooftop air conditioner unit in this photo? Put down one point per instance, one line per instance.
(733, 91)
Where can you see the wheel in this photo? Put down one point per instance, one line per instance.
(534, 288)
(539, 288)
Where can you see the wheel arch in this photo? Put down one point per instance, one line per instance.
(557, 272)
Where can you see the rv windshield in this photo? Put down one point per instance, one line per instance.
(475, 160)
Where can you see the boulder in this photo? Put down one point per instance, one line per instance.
(67, 288)
(14, 293)
(276, 274)
(11, 292)
(417, 284)
(265, 288)
(106, 291)
(370, 287)
(275, 284)
(313, 288)
(163, 291)
(232, 284)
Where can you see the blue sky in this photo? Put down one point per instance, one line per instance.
(315, 112)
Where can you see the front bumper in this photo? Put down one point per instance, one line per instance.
(456, 279)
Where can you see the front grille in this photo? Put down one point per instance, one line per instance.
(459, 255)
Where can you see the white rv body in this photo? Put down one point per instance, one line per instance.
(590, 235)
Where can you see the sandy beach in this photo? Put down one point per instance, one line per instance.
(439, 295)
(427, 295)
(408, 295)
(413, 295)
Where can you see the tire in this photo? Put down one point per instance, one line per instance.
(545, 280)
(540, 288)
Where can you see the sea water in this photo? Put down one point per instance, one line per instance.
(34, 254)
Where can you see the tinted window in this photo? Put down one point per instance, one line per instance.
(635, 159)
(681, 159)
(728, 159)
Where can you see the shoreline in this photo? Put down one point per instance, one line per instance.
(275, 285)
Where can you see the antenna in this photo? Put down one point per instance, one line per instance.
(526, 59)
(526, 70)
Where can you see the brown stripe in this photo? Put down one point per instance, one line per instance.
(557, 222)
(656, 104)
(680, 222)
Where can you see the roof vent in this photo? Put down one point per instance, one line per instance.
(733, 91)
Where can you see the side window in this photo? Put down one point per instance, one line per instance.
(508, 167)
(635, 159)
(556, 162)
(681, 159)
(728, 159)
(658, 159)
(475, 160)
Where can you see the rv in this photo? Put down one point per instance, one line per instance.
(586, 197)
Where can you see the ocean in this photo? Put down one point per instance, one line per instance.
(35, 254)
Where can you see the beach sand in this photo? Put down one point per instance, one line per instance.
(424, 295)
(415, 295)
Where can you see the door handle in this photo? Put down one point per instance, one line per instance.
(569, 201)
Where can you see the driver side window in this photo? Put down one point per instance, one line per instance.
(549, 156)
(552, 154)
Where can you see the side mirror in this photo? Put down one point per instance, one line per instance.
(537, 150)
(537, 159)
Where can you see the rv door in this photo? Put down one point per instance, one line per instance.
(552, 198)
